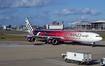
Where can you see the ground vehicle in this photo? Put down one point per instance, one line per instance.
(102, 62)
(77, 57)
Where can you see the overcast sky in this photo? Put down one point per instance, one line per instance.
(42, 12)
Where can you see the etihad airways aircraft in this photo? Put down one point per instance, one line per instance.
(55, 37)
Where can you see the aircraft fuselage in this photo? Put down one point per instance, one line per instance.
(70, 36)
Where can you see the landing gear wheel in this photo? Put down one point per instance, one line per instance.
(54, 42)
(93, 43)
(45, 42)
(67, 61)
(79, 63)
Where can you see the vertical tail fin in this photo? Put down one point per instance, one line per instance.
(28, 25)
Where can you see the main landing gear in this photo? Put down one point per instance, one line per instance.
(93, 43)
(52, 41)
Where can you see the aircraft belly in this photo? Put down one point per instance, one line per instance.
(79, 39)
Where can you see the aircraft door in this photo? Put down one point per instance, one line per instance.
(90, 37)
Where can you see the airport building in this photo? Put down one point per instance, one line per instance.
(88, 25)
(55, 25)
(1, 27)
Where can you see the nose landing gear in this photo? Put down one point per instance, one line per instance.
(93, 43)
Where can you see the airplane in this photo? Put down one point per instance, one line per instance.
(55, 37)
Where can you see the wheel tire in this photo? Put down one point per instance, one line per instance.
(67, 61)
(79, 63)
(54, 42)
(93, 44)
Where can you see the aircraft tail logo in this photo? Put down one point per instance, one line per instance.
(28, 25)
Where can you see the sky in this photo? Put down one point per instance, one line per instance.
(43, 12)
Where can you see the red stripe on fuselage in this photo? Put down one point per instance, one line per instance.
(33, 32)
(41, 34)
(65, 34)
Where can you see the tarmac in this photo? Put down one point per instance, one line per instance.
(23, 53)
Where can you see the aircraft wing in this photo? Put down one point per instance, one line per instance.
(38, 36)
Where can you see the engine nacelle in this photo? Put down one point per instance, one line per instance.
(31, 39)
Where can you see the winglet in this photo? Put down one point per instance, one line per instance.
(2, 33)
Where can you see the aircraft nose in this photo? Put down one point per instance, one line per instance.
(101, 38)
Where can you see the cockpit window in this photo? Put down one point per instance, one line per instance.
(98, 36)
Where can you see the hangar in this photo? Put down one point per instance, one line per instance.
(88, 25)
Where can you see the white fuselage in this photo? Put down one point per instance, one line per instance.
(86, 37)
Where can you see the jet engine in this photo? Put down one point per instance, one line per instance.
(31, 39)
